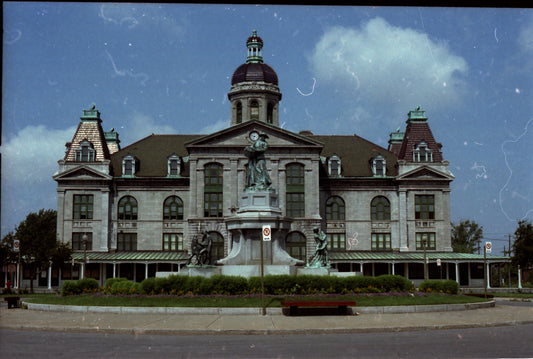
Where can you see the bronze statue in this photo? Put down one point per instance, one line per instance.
(257, 178)
(320, 258)
(201, 250)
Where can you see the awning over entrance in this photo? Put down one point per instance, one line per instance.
(131, 257)
(413, 257)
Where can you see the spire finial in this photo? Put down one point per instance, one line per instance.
(254, 44)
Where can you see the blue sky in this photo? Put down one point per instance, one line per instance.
(166, 68)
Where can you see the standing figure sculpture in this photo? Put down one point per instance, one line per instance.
(320, 258)
(201, 250)
(257, 177)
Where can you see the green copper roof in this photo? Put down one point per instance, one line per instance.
(417, 115)
(411, 257)
(132, 256)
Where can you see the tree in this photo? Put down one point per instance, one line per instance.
(466, 236)
(7, 254)
(523, 244)
(38, 244)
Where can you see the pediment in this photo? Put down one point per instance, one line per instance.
(238, 136)
(425, 173)
(83, 173)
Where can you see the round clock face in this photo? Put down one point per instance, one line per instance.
(254, 135)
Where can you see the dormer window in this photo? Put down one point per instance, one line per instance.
(86, 152)
(128, 166)
(379, 167)
(422, 153)
(174, 165)
(334, 166)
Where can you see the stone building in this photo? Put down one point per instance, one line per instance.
(133, 211)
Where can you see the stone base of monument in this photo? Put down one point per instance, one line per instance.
(200, 271)
(315, 271)
(253, 270)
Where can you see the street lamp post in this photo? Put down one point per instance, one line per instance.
(424, 243)
(84, 239)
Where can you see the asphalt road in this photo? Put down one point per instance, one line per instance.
(494, 342)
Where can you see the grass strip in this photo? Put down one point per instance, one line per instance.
(254, 301)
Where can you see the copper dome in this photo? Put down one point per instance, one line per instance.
(254, 72)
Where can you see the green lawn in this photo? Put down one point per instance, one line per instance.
(242, 301)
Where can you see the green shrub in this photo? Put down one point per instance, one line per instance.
(394, 283)
(177, 284)
(70, 287)
(439, 286)
(88, 285)
(148, 285)
(162, 285)
(110, 281)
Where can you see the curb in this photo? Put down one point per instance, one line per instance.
(248, 311)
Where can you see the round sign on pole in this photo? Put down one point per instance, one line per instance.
(488, 246)
(267, 233)
(16, 245)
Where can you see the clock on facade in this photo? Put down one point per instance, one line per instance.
(254, 135)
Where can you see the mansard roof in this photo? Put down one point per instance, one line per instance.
(418, 131)
(355, 153)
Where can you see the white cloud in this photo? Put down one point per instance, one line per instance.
(32, 154)
(381, 63)
(140, 126)
(29, 159)
(525, 38)
(215, 127)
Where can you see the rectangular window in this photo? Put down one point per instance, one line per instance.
(83, 207)
(381, 242)
(336, 241)
(127, 242)
(172, 242)
(295, 204)
(77, 241)
(212, 204)
(173, 168)
(428, 239)
(424, 207)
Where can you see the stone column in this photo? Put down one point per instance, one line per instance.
(105, 230)
(402, 202)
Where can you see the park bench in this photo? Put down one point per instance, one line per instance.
(293, 305)
(12, 302)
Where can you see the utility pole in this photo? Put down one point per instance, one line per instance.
(509, 265)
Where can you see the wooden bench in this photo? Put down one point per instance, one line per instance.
(12, 302)
(342, 305)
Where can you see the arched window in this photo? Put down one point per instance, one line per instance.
(295, 245)
(173, 208)
(380, 209)
(217, 246)
(239, 112)
(295, 190)
(213, 186)
(86, 152)
(127, 208)
(254, 110)
(335, 209)
(270, 113)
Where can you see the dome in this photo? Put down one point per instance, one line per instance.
(254, 72)
(254, 69)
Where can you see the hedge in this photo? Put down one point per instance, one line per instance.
(439, 286)
(235, 285)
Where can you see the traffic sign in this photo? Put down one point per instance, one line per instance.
(267, 235)
(488, 247)
(438, 262)
(16, 245)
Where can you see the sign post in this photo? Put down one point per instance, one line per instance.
(16, 248)
(266, 234)
(485, 277)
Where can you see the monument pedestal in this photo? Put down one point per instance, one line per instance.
(256, 209)
(316, 271)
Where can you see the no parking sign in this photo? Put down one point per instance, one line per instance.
(488, 247)
(267, 233)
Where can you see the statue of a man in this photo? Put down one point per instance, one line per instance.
(201, 250)
(320, 258)
(257, 177)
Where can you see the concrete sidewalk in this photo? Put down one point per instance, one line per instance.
(228, 322)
